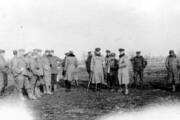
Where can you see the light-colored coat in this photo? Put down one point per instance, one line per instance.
(71, 65)
(54, 64)
(46, 70)
(172, 64)
(97, 67)
(123, 72)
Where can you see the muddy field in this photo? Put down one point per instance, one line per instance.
(80, 104)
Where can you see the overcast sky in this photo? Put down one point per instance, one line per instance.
(152, 26)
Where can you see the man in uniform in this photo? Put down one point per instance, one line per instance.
(97, 69)
(11, 65)
(107, 68)
(88, 63)
(3, 72)
(113, 73)
(123, 72)
(39, 73)
(32, 81)
(47, 72)
(21, 75)
(139, 64)
(172, 64)
(54, 69)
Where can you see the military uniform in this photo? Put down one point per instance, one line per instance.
(113, 73)
(88, 65)
(21, 75)
(97, 67)
(54, 70)
(3, 73)
(123, 71)
(139, 64)
(172, 64)
(47, 74)
(70, 67)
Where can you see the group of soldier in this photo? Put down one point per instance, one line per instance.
(115, 73)
(36, 73)
(33, 73)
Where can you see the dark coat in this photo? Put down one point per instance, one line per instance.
(139, 63)
(88, 64)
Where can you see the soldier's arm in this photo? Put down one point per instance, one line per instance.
(144, 62)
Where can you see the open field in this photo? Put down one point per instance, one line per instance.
(82, 105)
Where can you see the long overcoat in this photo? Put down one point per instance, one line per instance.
(71, 65)
(97, 67)
(123, 72)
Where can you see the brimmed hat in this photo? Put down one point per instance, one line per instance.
(138, 52)
(113, 54)
(97, 49)
(121, 49)
(108, 51)
(171, 51)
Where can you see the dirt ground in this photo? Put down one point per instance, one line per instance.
(80, 104)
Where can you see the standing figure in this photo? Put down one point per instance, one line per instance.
(54, 69)
(139, 64)
(172, 64)
(113, 74)
(21, 75)
(11, 66)
(70, 67)
(3, 72)
(47, 72)
(88, 64)
(97, 69)
(31, 78)
(123, 72)
(107, 68)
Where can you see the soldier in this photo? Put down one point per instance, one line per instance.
(21, 75)
(113, 72)
(107, 68)
(3, 72)
(47, 72)
(35, 71)
(123, 72)
(139, 64)
(54, 69)
(88, 63)
(41, 87)
(70, 67)
(31, 78)
(11, 65)
(172, 64)
(63, 65)
(97, 69)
